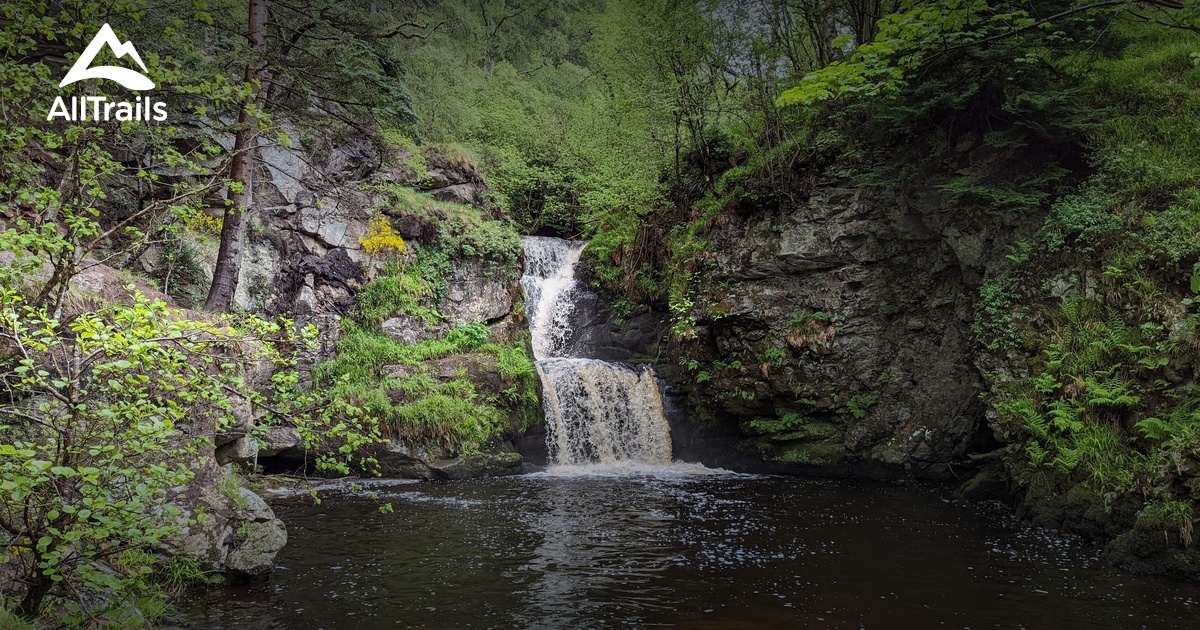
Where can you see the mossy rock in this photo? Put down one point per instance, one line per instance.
(814, 454)
(815, 431)
(985, 485)
(1153, 551)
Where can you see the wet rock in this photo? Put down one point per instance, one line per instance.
(598, 331)
(852, 308)
(398, 461)
(476, 466)
(985, 485)
(1154, 551)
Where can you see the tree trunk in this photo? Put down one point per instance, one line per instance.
(32, 602)
(241, 192)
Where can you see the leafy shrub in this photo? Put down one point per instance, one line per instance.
(89, 449)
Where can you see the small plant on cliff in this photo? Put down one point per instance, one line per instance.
(773, 356)
(860, 405)
(382, 239)
(814, 328)
(993, 318)
(683, 321)
(231, 487)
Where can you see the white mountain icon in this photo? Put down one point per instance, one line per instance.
(124, 76)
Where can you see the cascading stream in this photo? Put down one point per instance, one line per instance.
(596, 412)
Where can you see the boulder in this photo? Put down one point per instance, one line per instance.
(410, 330)
(237, 536)
(277, 440)
(238, 451)
(257, 538)
(476, 294)
(466, 194)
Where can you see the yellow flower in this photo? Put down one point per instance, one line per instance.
(381, 237)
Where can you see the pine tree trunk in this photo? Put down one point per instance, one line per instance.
(241, 194)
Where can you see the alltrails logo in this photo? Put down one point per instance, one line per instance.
(99, 107)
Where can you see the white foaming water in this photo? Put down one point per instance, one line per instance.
(675, 470)
(549, 283)
(597, 413)
(603, 412)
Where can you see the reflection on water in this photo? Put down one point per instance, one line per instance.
(679, 547)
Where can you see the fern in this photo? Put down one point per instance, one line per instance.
(1155, 429)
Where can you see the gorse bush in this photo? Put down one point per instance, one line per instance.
(382, 239)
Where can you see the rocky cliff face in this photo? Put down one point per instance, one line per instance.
(835, 332)
(315, 201)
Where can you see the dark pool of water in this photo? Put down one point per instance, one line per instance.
(686, 551)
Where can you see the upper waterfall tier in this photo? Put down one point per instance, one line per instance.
(549, 282)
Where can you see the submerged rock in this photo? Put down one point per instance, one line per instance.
(476, 466)
(401, 462)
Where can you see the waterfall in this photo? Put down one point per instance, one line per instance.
(549, 284)
(596, 411)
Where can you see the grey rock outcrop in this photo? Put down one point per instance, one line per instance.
(477, 294)
(837, 332)
(237, 536)
(409, 330)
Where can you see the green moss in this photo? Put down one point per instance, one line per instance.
(817, 453)
(462, 231)
(413, 158)
(424, 410)
(400, 292)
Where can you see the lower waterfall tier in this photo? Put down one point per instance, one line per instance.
(600, 412)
